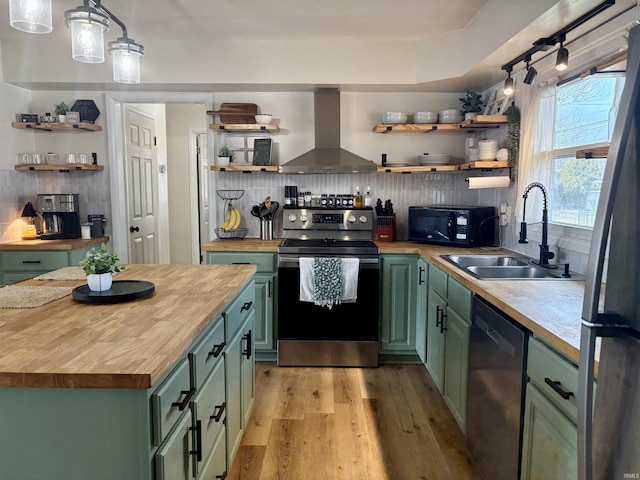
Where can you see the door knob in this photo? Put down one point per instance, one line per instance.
(134, 229)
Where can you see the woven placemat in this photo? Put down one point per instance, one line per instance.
(16, 296)
(64, 273)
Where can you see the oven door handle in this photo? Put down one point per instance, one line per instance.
(285, 261)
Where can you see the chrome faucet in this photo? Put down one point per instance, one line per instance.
(545, 254)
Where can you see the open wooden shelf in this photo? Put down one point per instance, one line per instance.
(598, 152)
(480, 122)
(483, 165)
(65, 167)
(245, 168)
(244, 127)
(479, 165)
(65, 127)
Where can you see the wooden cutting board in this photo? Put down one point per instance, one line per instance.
(236, 112)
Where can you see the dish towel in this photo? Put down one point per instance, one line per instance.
(328, 281)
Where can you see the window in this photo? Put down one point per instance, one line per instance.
(585, 115)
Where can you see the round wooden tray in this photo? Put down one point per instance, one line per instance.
(120, 291)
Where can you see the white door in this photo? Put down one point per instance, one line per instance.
(203, 190)
(141, 167)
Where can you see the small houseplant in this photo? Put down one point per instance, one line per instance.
(99, 266)
(224, 155)
(472, 104)
(61, 110)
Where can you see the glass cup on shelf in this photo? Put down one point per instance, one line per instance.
(38, 158)
(69, 158)
(24, 158)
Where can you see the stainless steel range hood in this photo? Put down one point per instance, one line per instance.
(327, 156)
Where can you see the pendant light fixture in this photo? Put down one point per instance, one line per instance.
(87, 26)
(125, 55)
(31, 16)
(562, 60)
(508, 83)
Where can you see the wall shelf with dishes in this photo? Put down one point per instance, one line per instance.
(478, 123)
(59, 168)
(58, 127)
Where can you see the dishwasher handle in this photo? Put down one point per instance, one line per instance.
(498, 339)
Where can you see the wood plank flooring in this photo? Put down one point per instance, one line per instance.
(386, 423)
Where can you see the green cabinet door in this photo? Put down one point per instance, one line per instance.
(174, 460)
(233, 367)
(549, 441)
(263, 333)
(456, 365)
(247, 372)
(421, 309)
(398, 304)
(436, 308)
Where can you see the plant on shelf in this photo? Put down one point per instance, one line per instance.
(99, 265)
(472, 104)
(224, 155)
(61, 110)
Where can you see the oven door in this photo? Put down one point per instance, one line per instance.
(309, 329)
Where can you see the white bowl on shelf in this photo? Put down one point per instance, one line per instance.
(394, 117)
(425, 117)
(263, 118)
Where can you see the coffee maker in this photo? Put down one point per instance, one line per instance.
(60, 216)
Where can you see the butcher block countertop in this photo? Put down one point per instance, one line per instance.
(70, 344)
(66, 244)
(552, 309)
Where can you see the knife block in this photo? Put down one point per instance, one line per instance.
(386, 228)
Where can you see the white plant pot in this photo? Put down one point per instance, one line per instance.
(470, 115)
(99, 282)
(223, 161)
(62, 118)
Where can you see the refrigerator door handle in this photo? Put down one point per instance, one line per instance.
(585, 400)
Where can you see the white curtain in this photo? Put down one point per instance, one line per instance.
(537, 149)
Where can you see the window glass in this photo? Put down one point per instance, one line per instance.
(585, 115)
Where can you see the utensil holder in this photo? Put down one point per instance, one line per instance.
(266, 229)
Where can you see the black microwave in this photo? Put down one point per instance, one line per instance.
(453, 225)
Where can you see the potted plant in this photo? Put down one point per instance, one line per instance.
(61, 110)
(224, 155)
(99, 266)
(472, 104)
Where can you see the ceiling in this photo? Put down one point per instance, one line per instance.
(367, 45)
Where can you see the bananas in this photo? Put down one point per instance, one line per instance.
(233, 219)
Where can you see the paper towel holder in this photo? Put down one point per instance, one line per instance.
(499, 181)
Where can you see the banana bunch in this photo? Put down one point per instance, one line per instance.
(233, 219)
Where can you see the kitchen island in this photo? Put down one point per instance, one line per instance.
(110, 390)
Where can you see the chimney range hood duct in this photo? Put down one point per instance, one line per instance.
(327, 156)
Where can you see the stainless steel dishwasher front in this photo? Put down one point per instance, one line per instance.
(497, 377)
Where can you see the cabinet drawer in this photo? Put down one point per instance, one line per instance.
(173, 460)
(544, 363)
(204, 357)
(239, 309)
(33, 261)
(170, 399)
(459, 298)
(209, 408)
(266, 262)
(438, 280)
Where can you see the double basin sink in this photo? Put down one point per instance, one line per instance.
(506, 267)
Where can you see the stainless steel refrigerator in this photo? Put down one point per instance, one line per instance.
(609, 426)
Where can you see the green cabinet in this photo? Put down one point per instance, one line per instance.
(20, 264)
(266, 281)
(421, 309)
(398, 304)
(448, 329)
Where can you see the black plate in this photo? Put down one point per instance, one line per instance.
(87, 109)
(120, 291)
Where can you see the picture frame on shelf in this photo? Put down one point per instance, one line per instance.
(73, 117)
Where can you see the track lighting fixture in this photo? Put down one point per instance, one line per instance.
(508, 83)
(531, 73)
(562, 60)
(87, 24)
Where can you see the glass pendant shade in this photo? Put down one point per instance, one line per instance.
(31, 16)
(125, 56)
(87, 28)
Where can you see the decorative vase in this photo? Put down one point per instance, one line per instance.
(470, 115)
(99, 282)
(224, 161)
(62, 118)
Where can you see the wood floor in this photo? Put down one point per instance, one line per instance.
(386, 423)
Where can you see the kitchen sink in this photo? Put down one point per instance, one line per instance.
(506, 267)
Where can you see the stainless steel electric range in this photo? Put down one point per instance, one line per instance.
(348, 333)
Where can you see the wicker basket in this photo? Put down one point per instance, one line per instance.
(226, 234)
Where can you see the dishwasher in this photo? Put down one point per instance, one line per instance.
(497, 379)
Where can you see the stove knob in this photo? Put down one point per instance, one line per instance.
(363, 219)
(292, 218)
(303, 218)
(352, 218)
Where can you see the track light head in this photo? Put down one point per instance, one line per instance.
(530, 75)
(508, 86)
(562, 60)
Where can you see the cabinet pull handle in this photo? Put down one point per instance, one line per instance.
(420, 279)
(269, 288)
(443, 317)
(558, 389)
(246, 306)
(222, 477)
(198, 451)
(247, 337)
(240, 263)
(217, 350)
(220, 409)
(438, 320)
(31, 261)
(188, 395)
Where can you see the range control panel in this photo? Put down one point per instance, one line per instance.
(320, 219)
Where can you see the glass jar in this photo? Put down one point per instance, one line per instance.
(301, 199)
(307, 199)
(324, 200)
